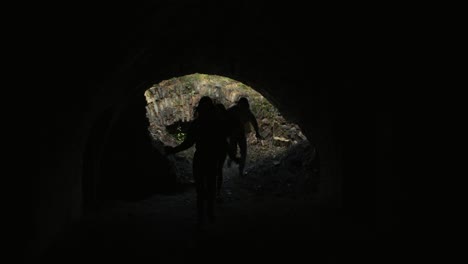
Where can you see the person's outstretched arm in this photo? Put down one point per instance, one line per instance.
(187, 143)
(253, 120)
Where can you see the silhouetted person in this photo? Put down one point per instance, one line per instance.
(209, 135)
(228, 125)
(243, 117)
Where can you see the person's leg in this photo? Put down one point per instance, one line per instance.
(233, 147)
(219, 179)
(199, 187)
(211, 193)
(243, 154)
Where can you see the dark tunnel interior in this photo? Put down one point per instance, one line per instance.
(318, 65)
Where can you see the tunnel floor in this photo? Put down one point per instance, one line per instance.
(252, 220)
(273, 211)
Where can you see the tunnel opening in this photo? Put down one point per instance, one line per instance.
(136, 180)
(282, 162)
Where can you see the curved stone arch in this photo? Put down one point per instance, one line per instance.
(138, 78)
(320, 136)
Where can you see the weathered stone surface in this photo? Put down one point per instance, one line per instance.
(174, 100)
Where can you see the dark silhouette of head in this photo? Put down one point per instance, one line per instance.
(243, 103)
(205, 106)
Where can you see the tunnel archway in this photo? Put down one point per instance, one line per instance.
(170, 111)
(329, 186)
(311, 110)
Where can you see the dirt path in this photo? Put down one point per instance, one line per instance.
(250, 221)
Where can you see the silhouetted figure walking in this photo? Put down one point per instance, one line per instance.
(228, 124)
(209, 135)
(242, 117)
